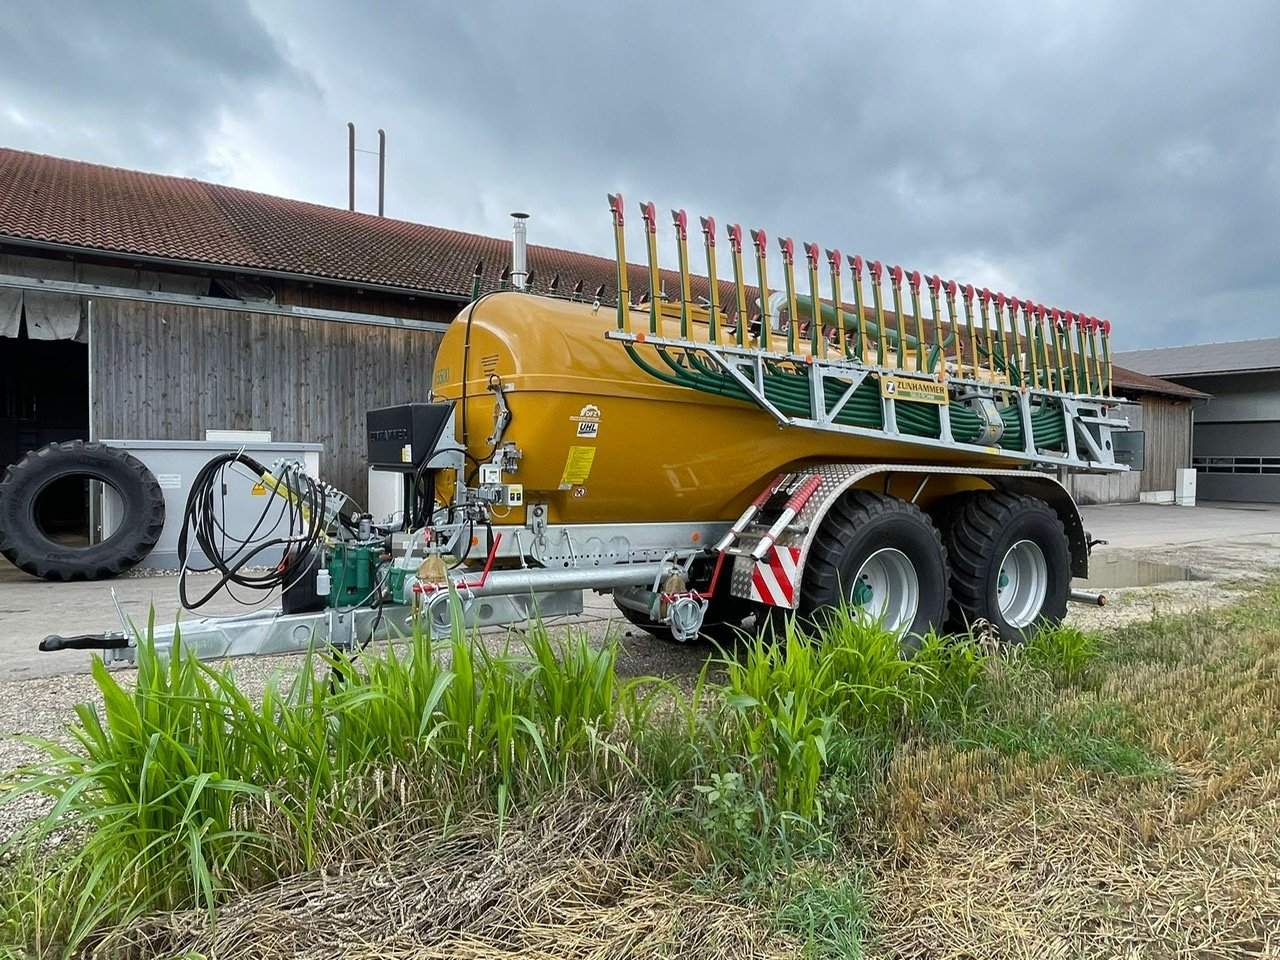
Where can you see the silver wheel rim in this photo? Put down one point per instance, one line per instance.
(887, 589)
(1022, 584)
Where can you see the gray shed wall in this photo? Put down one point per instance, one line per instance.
(1237, 436)
(162, 372)
(1238, 397)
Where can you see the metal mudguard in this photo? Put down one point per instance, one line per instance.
(835, 478)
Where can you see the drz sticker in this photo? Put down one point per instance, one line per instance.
(588, 422)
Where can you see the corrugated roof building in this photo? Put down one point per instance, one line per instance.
(140, 306)
(1236, 439)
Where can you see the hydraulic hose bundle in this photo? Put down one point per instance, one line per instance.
(790, 392)
(295, 520)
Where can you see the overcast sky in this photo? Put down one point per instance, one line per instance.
(1120, 158)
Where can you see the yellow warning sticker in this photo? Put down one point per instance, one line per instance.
(909, 388)
(259, 490)
(577, 466)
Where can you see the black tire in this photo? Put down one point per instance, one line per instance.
(979, 537)
(858, 525)
(29, 548)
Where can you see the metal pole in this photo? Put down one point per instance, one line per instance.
(382, 171)
(351, 167)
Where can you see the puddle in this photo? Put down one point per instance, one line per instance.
(1109, 572)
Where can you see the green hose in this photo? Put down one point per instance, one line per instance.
(790, 392)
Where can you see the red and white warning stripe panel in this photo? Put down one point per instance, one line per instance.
(775, 579)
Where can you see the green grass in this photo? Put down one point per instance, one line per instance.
(184, 789)
(829, 916)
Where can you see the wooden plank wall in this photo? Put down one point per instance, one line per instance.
(1168, 442)
(164, 372)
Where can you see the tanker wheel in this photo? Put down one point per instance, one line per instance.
(1010, 564)
(722, 622)
(26, 544)
(882, 556)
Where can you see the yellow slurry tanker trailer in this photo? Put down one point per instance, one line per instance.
(707, 461)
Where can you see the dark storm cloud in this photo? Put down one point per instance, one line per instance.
(139, 83)
(1123, 159)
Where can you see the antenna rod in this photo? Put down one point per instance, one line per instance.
(382, 170)
(351, 167)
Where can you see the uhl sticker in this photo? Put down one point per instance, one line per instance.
(588, 422)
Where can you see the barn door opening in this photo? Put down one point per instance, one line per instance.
(44, 398)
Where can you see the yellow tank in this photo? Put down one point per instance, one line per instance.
(603, 441)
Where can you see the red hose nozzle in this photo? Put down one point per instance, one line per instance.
(681, 221)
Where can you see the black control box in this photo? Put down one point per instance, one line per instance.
(403, 438)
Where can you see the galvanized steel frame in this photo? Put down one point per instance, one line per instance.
(747, 367)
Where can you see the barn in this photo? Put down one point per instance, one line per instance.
(140, 306)
(1236, 444)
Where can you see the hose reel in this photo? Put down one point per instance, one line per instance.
(991, 424)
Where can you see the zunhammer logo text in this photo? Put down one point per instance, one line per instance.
(909, 388)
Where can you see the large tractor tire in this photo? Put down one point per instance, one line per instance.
(882, 555)
(29, 548)
(1010, 564)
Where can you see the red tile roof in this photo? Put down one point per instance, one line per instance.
(116, 211)
(129, 213)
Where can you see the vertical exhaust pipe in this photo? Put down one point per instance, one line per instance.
(519, 251)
